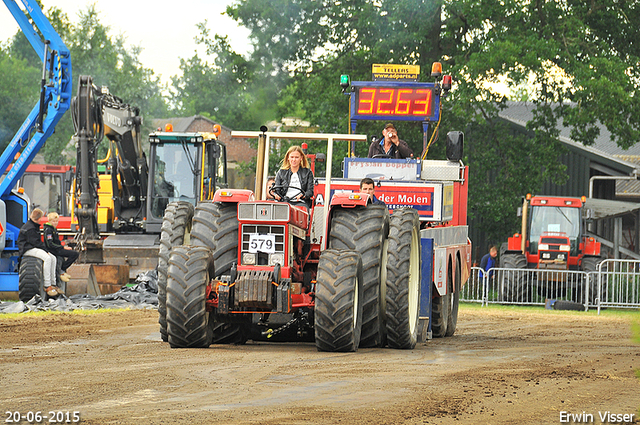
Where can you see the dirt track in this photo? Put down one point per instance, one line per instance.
(501, 367)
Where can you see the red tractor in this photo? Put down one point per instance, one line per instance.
(553, 238)
(266, 269)
(345, 273)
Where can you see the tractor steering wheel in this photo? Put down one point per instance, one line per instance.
(285, 198)
(381, 155)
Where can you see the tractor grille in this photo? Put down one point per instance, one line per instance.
(249, 229)
(555, 241)
(554, 256)
(436, 170)
(268, 245)
(263, 212)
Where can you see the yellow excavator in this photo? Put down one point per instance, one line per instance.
(119, 211)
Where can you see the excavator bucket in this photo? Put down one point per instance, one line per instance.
(96, 279)
(83, 280)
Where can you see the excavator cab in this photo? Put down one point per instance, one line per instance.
(183, 167)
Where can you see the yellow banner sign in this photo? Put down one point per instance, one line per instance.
(386, 72)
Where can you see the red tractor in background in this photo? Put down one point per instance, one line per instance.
(553, 237)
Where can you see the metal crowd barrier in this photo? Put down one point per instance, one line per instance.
(615, 284)
(618, 283)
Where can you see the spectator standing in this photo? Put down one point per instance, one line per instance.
(489, 261)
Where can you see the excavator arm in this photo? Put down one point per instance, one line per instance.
(98, 114)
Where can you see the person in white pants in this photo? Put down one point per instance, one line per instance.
(30, 244)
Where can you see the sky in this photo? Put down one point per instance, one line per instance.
(164, 31)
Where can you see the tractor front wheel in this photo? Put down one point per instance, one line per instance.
(590, 265)
(227, 333)
(514, 288)
(338, 308)
(190, 270)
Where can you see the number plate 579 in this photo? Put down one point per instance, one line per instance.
(262, 243)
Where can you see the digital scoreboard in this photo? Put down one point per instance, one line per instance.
(394, 101)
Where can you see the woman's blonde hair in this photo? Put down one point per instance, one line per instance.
(285, 162)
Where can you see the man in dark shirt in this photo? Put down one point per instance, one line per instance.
(390, 145)
(30, 244)
(368, 186)
(489, 261)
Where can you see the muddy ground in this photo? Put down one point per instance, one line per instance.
(501, 367)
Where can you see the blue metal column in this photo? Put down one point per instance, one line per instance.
(425, 294)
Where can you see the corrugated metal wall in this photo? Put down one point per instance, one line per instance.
(578, 169)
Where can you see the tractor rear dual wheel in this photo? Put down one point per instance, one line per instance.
(176, 227)
(444, 313)
(338, 307)
(215, 225)
(190, 270)
(403, 279)
(364, 230)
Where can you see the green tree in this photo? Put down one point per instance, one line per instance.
(576, 61)
(95, 52)
(18, 94)
(228, 89)
(575, 66)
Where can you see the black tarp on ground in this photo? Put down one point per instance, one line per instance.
(143, 294)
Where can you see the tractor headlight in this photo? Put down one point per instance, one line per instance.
(277, 258)
(565, 248)
(560, 257)
(248, 258)
(546, 255)
(543, 246)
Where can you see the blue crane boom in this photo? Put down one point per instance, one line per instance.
(55, 92)
(55, 98)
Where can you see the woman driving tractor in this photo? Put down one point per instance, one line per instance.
(294, 181)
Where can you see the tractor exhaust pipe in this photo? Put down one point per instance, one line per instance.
(523, 243)
(260, 162)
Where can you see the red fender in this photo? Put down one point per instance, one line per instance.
(233, 195)
(349, 200)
